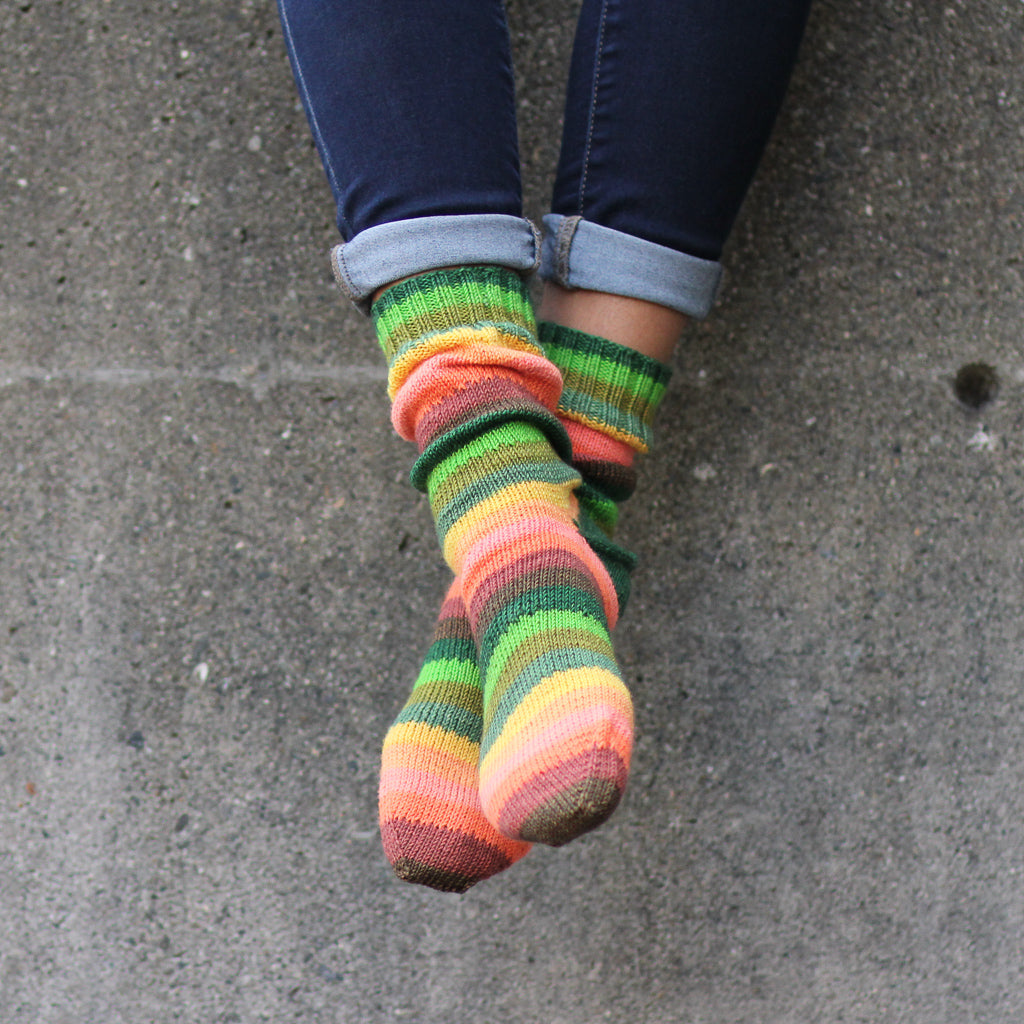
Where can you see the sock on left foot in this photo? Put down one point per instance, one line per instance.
(432, 826)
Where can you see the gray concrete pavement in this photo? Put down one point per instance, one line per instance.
(215, 585)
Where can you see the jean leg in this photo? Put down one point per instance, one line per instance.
(670, 105)
(412, 108)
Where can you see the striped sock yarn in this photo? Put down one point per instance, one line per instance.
(609, 397)
(472, 388)
(432, 826)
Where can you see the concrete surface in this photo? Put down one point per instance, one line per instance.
(215, 585)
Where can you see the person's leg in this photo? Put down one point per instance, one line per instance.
(473, 389)
(417, 188)
(412, 107)
(669, 106)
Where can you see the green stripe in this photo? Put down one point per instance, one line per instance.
(455, 440)
(452, 719)
(608, 416)
(601, 509)
(617, 385)
(482, 455)
(445, 299)
(604, 382)
(453, 648)
(526, 437)
(468, 287)
(539, 670)
(491, 486)
(595, 642)
(568, 606)
(450, 671)
(569, 348)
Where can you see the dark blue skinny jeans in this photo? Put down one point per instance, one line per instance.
(669, 106)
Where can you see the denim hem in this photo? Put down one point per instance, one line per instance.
(577, 253)
(386, 253)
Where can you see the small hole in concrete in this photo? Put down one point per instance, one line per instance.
(976, 384)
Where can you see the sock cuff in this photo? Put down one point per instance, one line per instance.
(607, 386)
(443, 308)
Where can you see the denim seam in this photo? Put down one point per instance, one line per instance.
(340, 270)
(314, 124)
(566, 233)
(593, 106)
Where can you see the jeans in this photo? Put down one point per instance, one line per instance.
(669, 106)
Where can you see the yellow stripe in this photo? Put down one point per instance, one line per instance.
(510, 504)
(597, 685)
(458, 337)
(434, 736)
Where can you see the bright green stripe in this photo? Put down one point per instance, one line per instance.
(450, 670)
(537, 672)
(455, 720)
(539, 609)
(446, 299)
(466, 467)
(475, 288)
(609, 383)
(546, 642)
(505, 478)
(639, 397)
(507, 435)
(569, 348)
(458, 437)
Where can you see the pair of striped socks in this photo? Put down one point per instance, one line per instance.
(519, 726)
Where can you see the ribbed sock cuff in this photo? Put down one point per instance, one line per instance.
(412, 317)
(607, 386)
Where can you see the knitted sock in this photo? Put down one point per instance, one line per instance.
(609, 397)
(434, 829)
(471, 387)
(431, 823)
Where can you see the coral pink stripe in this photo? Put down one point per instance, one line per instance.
(466, 400)
(398, 784)
(589, 443)
(564, 740)
(429, 381)
(440, 812)
(504, 545)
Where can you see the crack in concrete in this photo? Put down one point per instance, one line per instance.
(248, 377)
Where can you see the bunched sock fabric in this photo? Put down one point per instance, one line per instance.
(432, 826)
(472, 388)
(610, 395)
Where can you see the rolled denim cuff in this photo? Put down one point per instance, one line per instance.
(386, 253)
(579, 254)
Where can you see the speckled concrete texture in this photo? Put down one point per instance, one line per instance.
(216, 585)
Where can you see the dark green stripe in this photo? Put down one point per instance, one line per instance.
(543, 599)
(452, 719)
